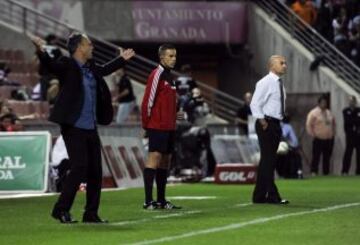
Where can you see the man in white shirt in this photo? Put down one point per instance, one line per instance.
(268, 107)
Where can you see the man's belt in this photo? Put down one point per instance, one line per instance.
(272, 119)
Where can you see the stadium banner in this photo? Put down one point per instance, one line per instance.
(24, 161)
(235, 173)
(170, 21)
(124, 157)
(199, 22)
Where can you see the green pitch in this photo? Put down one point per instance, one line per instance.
(323, 210)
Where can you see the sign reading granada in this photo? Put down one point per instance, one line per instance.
(190, 22)
(24, 161)
(235, 173)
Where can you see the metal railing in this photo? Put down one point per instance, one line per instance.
(32, 22)
(313, 41)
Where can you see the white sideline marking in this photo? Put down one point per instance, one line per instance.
(176, 214)
(191, 197)
(25, 195)
(243, 204)
(130, 222)
(244, 224)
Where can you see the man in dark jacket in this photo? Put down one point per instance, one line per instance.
(83, 101)
(352, 134)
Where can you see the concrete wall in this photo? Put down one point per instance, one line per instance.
(267, 38)
(14, 39)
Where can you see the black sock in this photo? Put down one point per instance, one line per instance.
(149, 175)
(161, 179)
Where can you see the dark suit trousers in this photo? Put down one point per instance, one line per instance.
(269, 139)
(84, 150)
(352, 141)
(324, 148)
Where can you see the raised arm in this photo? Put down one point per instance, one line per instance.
(117, 63)
(56, 66)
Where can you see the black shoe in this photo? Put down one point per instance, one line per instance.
(150, 205)
(93, 218)
(63, 216)
(167, 205)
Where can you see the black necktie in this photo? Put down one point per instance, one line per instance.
(282, 97)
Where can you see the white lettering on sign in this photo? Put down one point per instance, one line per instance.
(231, 176)
(11, 162)
(8, 163)
(145, 30)
(6, 175)
(178, 14)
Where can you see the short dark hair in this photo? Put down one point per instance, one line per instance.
(323, 97)
(165, 47)
(73, 42)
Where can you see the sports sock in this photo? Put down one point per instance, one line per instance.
(149, 175)
(161, 180)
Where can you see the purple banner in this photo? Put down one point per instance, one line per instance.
(190, 22)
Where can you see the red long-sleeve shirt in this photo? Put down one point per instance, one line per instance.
(158, 109)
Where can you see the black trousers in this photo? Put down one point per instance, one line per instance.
(84, 150)
(352, 142)
(324, 148)
(269, 139)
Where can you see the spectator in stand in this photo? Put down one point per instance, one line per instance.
(305, 10)
(356, 19)
(7, 123)
(8, 120)
(340, 28)
(352, 134)
(5, 109)
(4, 72)
(242, 115)
(324, 19)
(184, 85)
(338, 4)
(19, 94)
(320, 124)
(354, 37)
(125, 96)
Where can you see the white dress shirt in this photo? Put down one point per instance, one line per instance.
(266, 99)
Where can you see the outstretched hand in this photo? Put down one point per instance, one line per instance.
(127, 53)
(38, 43)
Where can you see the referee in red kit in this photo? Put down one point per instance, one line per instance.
(159, 116)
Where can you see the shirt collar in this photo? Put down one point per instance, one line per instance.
(164, 68)
(81, 65)
(274, 76)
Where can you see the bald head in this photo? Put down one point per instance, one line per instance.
(277, 64)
